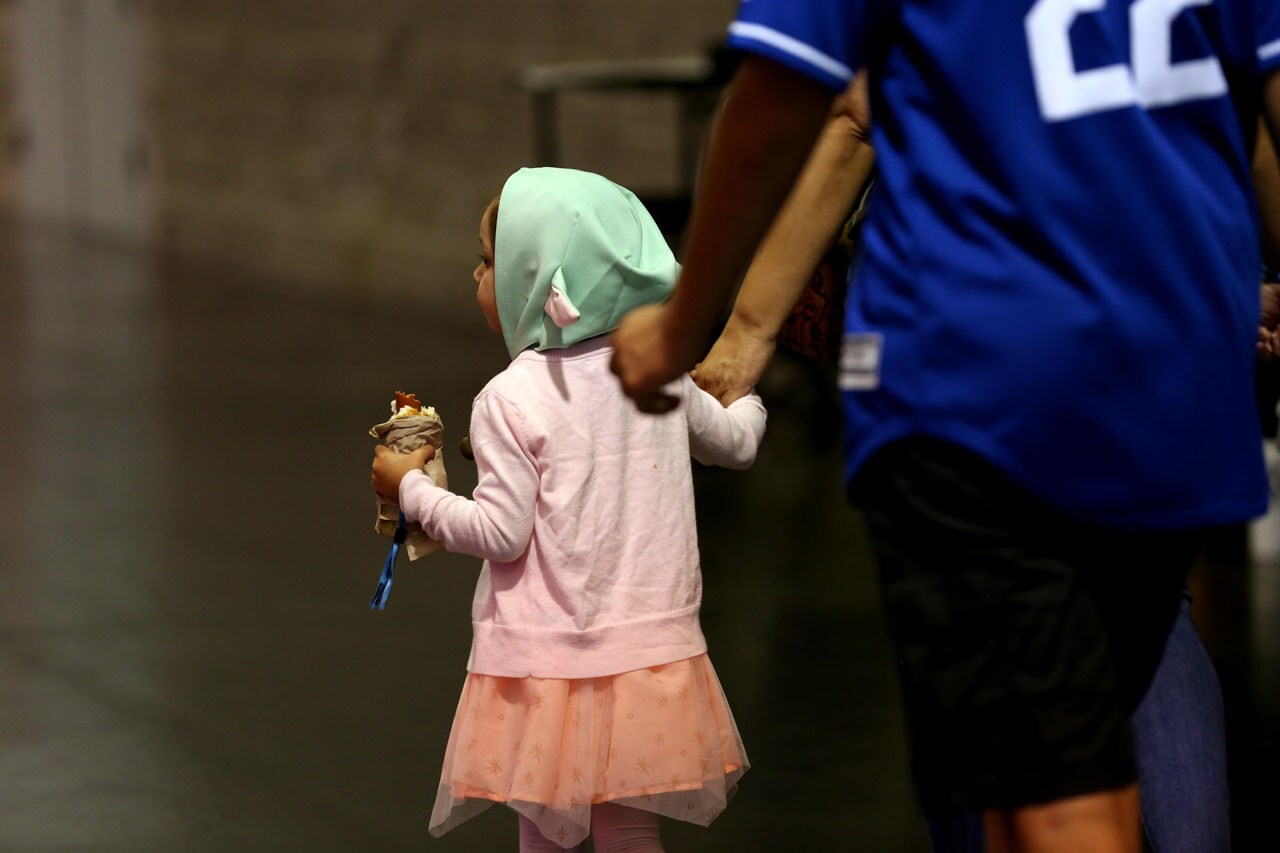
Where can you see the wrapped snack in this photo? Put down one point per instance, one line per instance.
(410, 427)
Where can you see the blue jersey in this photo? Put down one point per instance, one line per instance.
(1060, 268)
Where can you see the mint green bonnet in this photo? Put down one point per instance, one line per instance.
(574, 253)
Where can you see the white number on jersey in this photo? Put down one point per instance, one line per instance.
(1154, 80)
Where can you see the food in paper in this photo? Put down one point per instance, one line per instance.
(410, 427)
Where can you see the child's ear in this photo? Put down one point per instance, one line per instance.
(558, 307)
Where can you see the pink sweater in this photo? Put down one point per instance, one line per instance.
(584, 516)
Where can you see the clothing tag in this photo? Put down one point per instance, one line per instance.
(860, 361)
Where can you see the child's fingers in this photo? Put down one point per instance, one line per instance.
(381, 450)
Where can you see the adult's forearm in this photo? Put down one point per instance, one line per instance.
(758, 145)
(1271, 106)
(809, 221)
(1266, 178)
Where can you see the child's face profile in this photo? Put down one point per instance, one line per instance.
(483, 274)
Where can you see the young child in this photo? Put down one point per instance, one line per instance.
(590, 706)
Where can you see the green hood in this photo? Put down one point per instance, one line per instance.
(574, 252)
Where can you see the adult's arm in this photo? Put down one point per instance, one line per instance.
(759, 143)
(1266, 178)
(1271, 103)
(809, 221)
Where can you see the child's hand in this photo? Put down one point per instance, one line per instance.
(390, 467)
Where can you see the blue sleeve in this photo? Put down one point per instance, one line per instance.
(823, 39)
(1267, 17)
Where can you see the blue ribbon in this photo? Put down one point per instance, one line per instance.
(379, 601)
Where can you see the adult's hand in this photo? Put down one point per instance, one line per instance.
(648, 353)
(734, 365)
(1268, 333)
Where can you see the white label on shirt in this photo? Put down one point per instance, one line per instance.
(860, 361)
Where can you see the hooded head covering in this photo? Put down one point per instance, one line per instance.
(574, 252)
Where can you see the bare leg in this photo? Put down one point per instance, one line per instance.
(998, 832)
(1107, 822)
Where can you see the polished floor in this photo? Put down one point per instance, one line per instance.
(187, 658)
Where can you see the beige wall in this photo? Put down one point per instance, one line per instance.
(8, 94)
(352, 145)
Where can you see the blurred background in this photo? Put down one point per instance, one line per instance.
(229, 230)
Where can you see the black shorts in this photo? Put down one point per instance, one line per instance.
(1024, 639)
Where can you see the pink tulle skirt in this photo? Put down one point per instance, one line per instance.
(659, 739)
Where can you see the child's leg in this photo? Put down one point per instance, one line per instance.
(533, 841)
(619, 829)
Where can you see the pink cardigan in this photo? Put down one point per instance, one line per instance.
(584, 516)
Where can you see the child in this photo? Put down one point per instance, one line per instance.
(590, 705)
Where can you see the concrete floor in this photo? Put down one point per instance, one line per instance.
(187, 656)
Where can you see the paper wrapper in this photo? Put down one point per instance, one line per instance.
(405, 435)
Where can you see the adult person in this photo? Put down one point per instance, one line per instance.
(1179, 732)
(1047, 357)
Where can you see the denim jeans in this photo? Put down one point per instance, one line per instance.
(1180, 741)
